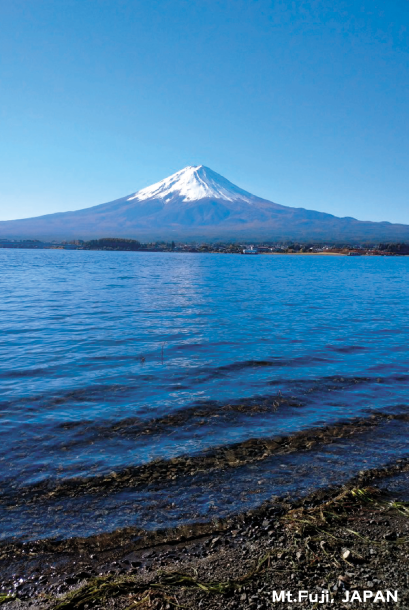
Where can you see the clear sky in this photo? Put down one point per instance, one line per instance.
(305, 103)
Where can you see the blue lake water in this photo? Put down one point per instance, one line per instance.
(114, 359)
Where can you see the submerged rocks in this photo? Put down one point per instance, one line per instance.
(217, 459)
(280, 545)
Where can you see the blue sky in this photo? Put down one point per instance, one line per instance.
(303, 103)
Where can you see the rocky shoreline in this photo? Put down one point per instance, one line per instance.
(348, 539)
(217, 459)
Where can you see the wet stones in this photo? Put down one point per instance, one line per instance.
(83, 575)
(230, 546)
(220, 458)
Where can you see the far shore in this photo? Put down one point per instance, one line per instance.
(312, 253)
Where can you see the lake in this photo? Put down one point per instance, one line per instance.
(113, 362)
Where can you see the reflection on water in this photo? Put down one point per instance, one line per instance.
(109, 360)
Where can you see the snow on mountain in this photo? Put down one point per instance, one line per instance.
(193, 183)
(197, 203)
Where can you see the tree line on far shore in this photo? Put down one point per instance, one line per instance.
(119, 243)
(113, 243)
(395, 248)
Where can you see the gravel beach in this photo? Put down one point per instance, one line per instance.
(336, 548)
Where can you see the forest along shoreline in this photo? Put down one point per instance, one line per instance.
(118, 244)
(351, 538)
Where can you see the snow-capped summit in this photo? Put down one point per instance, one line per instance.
(196, 203)
(193, 183)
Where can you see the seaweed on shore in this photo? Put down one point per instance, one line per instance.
(312, 528)
(316, 534)
(101, 589)
(6, 598)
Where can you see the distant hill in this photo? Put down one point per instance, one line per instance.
(197, 203)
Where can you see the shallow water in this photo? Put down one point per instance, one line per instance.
(114, 359)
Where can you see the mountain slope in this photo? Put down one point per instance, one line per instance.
(198, 203)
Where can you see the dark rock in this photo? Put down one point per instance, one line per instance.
(390, 536)
(83, 575)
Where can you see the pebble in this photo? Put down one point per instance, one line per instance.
(390, 536)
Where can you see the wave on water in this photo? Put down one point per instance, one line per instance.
(168, 493)
(191, 388)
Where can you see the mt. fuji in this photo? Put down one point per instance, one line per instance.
(191, 184)
(197, 203)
